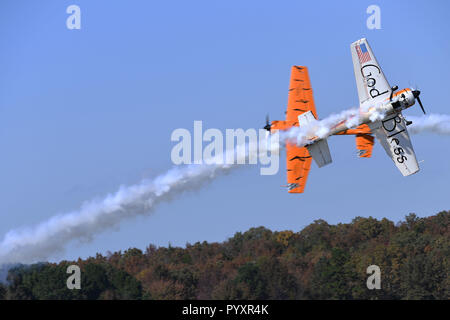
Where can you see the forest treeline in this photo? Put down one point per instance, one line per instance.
(322, 261)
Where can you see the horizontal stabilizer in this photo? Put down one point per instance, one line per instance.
(364, 144)
(320, 152)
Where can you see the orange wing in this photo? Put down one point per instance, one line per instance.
(300, 98)
(298, 166)
(298, 160)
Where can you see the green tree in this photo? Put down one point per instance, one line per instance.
(250, 283)
(333, 278)
(322, 261)
(125, 286)
(94, 281)
(2, 292)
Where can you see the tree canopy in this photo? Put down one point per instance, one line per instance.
(322, 261)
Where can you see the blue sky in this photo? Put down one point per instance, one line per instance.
(85, 111)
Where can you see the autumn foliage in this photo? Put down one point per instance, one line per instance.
(322, 261)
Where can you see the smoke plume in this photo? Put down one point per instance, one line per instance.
(432, 123)
(37, 243)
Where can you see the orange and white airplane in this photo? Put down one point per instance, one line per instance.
(375, 96)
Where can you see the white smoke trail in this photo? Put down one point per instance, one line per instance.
(433, 123)
(42, 241)
(27, 245)
(50, 237)
(321, 128)
(38, 243)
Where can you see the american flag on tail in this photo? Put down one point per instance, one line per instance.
(363, 53)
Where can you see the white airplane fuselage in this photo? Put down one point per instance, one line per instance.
(371, 111)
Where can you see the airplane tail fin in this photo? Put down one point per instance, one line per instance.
(319, 150)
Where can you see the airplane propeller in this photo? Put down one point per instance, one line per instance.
(416, 94)
(267, 126)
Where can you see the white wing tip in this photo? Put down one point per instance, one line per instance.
(359, 41)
